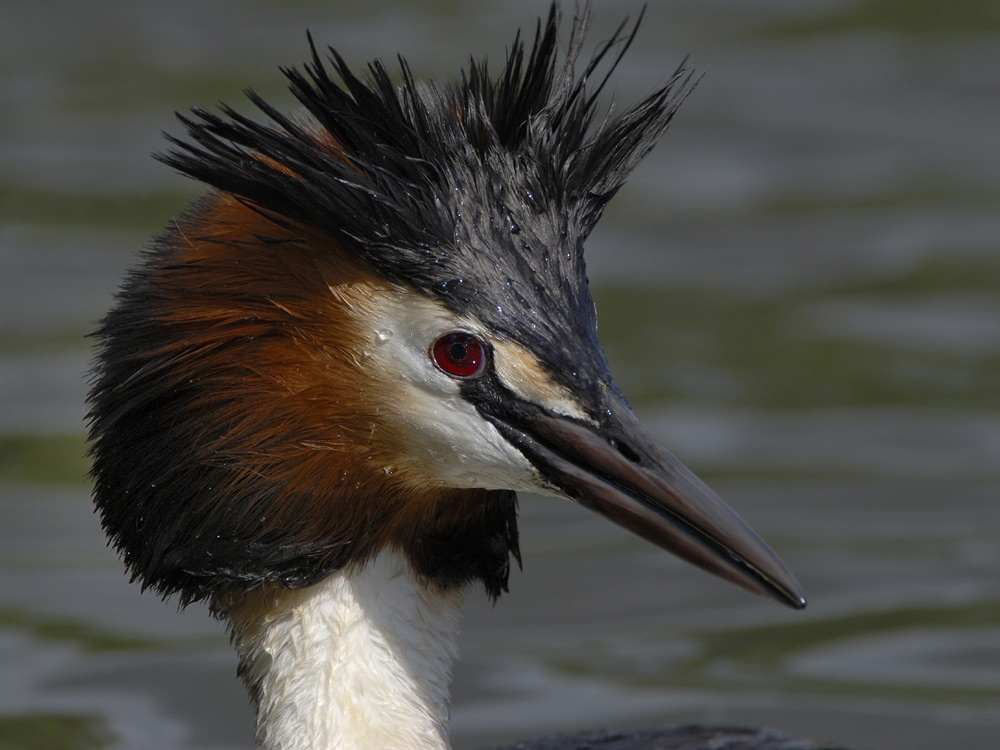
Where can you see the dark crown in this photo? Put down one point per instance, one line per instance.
(478, 193)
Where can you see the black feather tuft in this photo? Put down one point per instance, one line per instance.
(478, 194)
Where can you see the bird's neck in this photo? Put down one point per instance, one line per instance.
(360, 660)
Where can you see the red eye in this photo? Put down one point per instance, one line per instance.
(460, 354)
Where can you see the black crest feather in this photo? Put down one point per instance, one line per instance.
(477, 193)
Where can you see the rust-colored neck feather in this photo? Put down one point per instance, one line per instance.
(235, 428)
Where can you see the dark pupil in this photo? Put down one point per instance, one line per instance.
(457, 352)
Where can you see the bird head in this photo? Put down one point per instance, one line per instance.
(377, 326)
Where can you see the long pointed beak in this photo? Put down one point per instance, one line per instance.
(623, 473)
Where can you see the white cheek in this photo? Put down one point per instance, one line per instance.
(446, 438)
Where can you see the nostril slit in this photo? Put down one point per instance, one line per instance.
(626, 450)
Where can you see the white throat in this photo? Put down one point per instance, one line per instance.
(359, 661)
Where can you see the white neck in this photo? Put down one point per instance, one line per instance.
(361, 660)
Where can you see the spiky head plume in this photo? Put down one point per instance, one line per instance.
(478, 193)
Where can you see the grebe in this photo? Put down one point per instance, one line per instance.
(315, 399)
